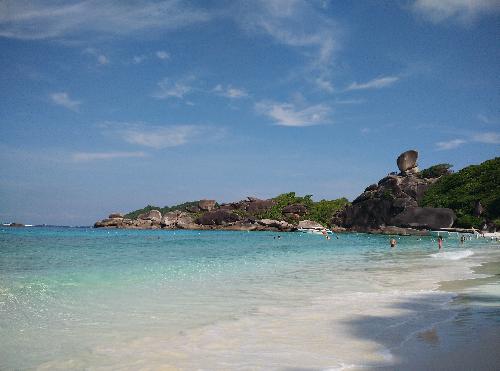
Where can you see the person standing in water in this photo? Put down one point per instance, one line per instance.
(440, 242)
(393, 242)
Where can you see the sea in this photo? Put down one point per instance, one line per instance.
(110, 299)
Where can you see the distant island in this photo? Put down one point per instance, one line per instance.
(410, 202)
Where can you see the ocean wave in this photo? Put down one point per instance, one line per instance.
(453, 255)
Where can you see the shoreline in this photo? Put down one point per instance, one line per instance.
(467, 340)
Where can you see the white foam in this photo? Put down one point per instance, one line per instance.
(453, 255)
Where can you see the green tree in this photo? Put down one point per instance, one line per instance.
(461, 190)
(436, 171)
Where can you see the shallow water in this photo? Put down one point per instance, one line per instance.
(107, 299)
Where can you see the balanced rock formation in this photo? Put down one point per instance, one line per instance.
(407, 162)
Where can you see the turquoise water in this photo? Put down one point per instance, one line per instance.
(94, 298)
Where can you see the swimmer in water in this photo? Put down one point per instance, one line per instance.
(393, 242)
(440, 242)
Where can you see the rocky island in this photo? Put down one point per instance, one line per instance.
(397, 204)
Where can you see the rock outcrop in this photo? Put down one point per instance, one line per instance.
(407, 162)
(394, 201)
(206, 205)
(218, 217)
(425, 218)
(153, 215)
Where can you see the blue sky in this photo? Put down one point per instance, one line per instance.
(112, 105)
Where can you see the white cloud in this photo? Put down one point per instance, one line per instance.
(40, 19)
(138, 59)
(162, 54)
(349, 101)
(324, 84)
(294, 23)
(488, 138)
(378, 83)
(464, 11)
(174, 89)
(230, 92)
(160, 137)
(102, 59)
(451, 144)
(63, 99)
(93, 156)
(286, 114)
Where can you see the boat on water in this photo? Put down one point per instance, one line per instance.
(321, 231)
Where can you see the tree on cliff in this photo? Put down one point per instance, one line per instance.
(463, 190)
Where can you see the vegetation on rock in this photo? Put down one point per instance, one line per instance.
(436, 171)
(162, 210)
(321, 211)
(462, 190)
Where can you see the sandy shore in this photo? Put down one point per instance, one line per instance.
(468, 341)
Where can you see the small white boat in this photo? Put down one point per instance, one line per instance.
(322, 231)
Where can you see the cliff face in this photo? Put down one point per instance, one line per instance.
(394, 201)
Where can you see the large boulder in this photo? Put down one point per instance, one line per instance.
(425, 217)
(256, 206)
(378, 206)
(278, 225)
(170, 219)
(297, 209)
(115, 215)
(184, 221)
(407, 160)
(206, 205)
(109, 223)
(153, 215)
(219, 217)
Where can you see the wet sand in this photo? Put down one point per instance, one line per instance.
(468, 341)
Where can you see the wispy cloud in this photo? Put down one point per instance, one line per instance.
(63, 99)
(299, 25)
(138, 59)
(486, 119)
(94, 156)
(162, 54)
(450, 144)
(40, 19)
(229, 91)
(100, 58)
(488, 138)
(349, 101)
(324, 84)
(159, 137)
(378, 83)
(287, 114)
(464, 11)
(174, 89)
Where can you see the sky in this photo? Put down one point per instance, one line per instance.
(108, 106)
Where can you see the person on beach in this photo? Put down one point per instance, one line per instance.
(440, 242)
(393, 242)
